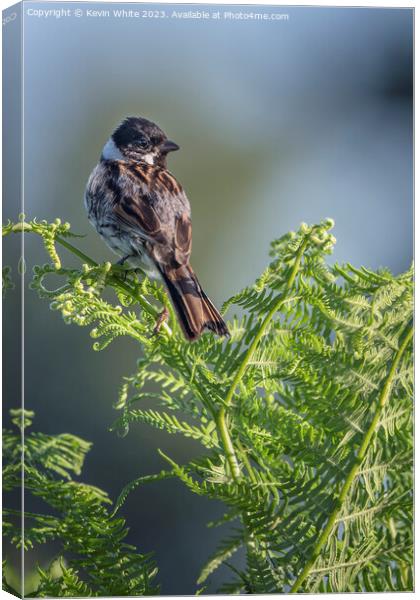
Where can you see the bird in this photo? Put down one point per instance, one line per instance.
(143, 214)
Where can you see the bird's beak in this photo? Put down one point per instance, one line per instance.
(168, 146)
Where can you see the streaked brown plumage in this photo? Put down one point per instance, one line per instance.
(143, 214)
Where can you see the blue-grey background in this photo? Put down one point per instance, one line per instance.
(279, 122)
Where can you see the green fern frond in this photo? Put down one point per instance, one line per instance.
(305, 412)
(99, 562)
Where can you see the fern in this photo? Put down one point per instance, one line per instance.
(305, 413)
(94, 559)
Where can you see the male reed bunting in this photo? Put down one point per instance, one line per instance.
(143, 214)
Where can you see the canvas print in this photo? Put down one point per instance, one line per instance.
(207, 299)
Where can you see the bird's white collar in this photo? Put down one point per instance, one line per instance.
(111, 152)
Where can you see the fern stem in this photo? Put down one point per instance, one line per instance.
(383, 398)
(84, 257)
(228, 445)
(221, 418)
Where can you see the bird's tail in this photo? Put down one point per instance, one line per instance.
(194, 309)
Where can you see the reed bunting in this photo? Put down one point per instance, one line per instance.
(143, 214)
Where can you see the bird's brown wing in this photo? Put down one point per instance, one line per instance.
(183, 239)
(153, 205)
(149, 206)
(137, 214)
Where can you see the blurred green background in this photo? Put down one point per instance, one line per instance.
(278, 123)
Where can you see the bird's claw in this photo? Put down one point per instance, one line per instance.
(122, 260)
(163, 316)
(122, 270)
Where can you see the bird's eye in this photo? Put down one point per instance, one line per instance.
(142, 141)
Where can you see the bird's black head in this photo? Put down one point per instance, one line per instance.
(141, 140)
